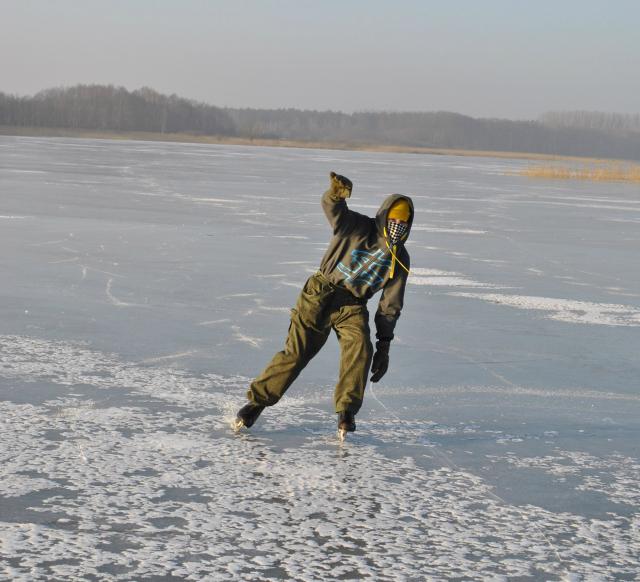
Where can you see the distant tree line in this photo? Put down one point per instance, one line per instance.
(613, 122)
(435, 130)
(112, 108)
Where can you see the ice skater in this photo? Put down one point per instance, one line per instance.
(365, 255)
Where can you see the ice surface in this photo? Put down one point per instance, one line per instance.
(145, 284)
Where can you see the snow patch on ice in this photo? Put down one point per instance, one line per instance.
(438, 278)
(566, 310)
(616, 476)
(164, 484)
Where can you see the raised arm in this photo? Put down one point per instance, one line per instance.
(341, 219)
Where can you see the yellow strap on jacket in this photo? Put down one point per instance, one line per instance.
(394, 257)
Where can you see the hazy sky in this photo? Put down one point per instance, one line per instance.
(493, 58)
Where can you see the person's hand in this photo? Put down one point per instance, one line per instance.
(380, 363)
(341, 186)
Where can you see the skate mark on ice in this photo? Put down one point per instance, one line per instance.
(254, 342)
(48, 242)
(234, 295)
(86, 268)
(262, 307)
(71, 260)
(274, 276)
(117, 302)
(214, 322)
(175, 356)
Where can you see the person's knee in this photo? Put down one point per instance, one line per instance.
(300, 353)
(303, 343)
(359, 344)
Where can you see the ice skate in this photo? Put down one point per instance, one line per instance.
(346, 423)
(247, 416)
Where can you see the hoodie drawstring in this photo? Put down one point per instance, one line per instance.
(394, 258)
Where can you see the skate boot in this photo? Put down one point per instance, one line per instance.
(346, 423)
(247, 415)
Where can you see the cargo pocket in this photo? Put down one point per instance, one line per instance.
(313, 303)
(357, 314)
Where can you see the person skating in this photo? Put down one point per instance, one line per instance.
(365, 255)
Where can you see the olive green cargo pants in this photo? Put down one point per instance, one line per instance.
(321, 307)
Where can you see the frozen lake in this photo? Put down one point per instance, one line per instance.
(145, 284)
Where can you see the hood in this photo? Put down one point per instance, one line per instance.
(381, 215)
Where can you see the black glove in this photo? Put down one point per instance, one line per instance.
(380, 363)
(340, 186)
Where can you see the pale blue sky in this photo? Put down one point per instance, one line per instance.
(492, 58)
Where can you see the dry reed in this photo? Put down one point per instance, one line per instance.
(605, 171)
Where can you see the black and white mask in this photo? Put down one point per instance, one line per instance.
(396, 230)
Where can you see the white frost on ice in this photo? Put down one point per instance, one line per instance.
(163, 489)
(566, 310)
(439, 278)
(616, 476)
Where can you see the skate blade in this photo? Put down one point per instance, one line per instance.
(237, 424)
(342, 435)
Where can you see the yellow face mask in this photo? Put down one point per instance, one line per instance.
(400, 210)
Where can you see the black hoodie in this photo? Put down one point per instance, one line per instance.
(359, 258)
